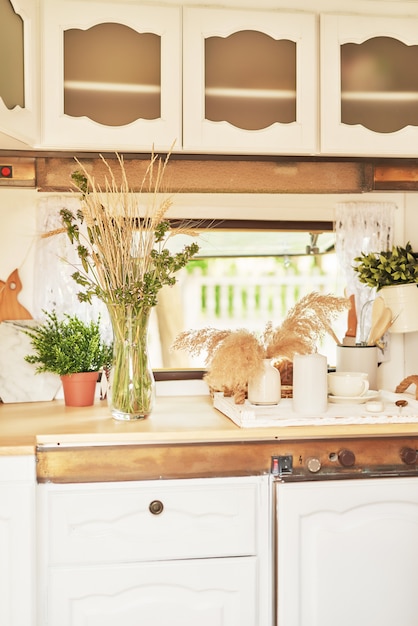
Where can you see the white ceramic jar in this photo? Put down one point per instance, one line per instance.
(266, 388)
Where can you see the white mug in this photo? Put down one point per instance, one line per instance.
(348, 384)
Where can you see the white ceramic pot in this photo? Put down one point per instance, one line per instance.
(402, 300)
(266, 388)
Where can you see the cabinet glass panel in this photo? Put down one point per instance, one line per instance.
(379, 84)
(112, 74)
(12, 89)
(250, 80)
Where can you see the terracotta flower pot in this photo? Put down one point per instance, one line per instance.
(79, 389)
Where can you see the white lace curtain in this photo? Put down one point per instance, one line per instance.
(362, 227)
(55, 261)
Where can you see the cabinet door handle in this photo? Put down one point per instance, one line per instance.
(156, 507)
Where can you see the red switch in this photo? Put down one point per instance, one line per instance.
(6, 171)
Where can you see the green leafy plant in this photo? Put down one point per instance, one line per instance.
(67, 346)
(391, 267)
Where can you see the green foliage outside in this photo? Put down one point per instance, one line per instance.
(231, 268)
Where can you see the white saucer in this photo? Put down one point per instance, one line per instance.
(370, 395)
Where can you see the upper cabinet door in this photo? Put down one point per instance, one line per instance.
(112, 75)
(19, 98)
(369, 85)
(249, 82)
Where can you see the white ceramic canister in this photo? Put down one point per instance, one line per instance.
(358, 359)
(403, 302)
(310, 385)
(266, 388)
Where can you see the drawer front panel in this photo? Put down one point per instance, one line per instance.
(151, 520)
(209, 592)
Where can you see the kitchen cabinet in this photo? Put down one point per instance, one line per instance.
(19, 83)
(114, 78)
(17, 541)
(249, 81)
(128, 76)
(347, 552)
(369, 85)
(179, 552)
(111, 75)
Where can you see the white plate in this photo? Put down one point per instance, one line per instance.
(370, 395)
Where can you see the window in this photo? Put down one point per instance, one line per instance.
(245, 276)
(248, 273)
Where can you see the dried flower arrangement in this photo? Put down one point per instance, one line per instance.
(121, 238)
(233, 357)
(123, 253)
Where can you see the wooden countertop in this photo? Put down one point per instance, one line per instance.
(176, 419)
(184, 437)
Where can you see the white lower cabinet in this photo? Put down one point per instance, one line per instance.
(17, 541)
(180, 552)
(211, 592)
(347, 552)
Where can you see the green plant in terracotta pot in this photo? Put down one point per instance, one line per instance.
(72, 349)
(394, 274)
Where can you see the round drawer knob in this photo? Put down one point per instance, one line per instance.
(408, 456)
(156, 507)
(346, 458)
(313, 464)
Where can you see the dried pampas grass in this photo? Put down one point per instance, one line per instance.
(233, 357)
(237, 359)
(305, 324)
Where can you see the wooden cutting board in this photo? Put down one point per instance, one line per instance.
(10, 307)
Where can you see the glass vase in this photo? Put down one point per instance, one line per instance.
(131, 393)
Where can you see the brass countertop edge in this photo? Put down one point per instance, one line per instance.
(57, 443)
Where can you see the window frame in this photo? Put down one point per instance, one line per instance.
(170, 374)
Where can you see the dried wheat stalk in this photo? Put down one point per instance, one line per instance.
(121, 237)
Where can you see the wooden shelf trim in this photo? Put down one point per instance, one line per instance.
(233, 174)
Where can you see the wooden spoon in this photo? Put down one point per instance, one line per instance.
(378, 330)
(377, 310)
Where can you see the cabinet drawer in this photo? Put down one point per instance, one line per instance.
(123, 522)
(208, 592)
